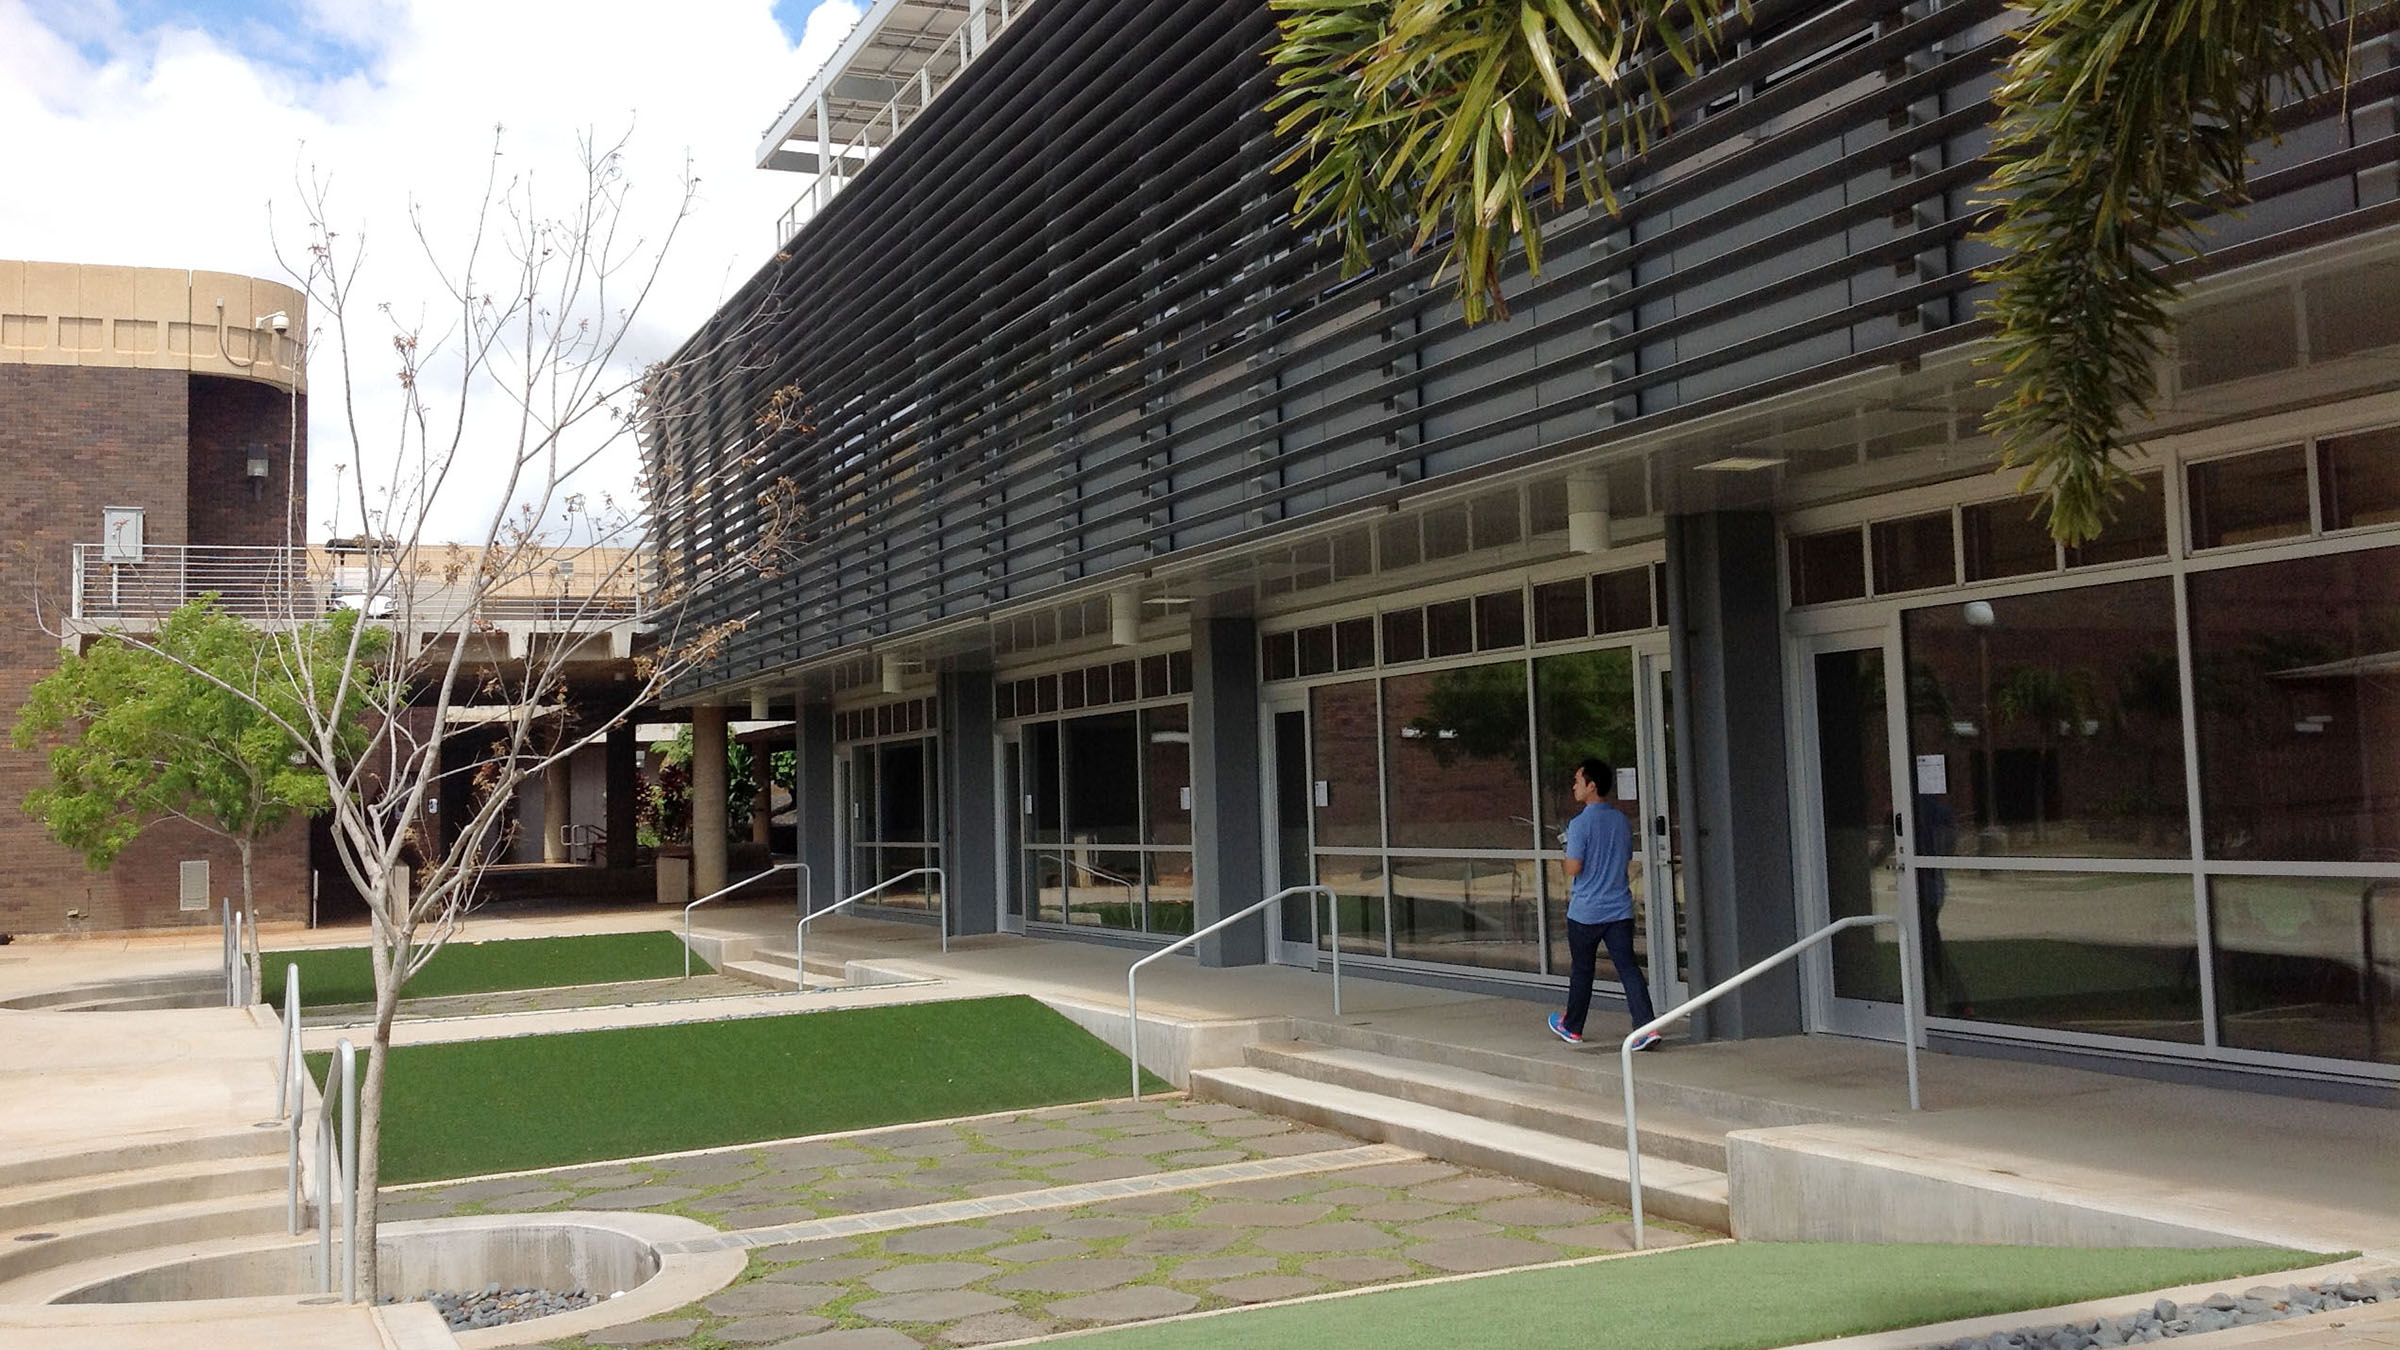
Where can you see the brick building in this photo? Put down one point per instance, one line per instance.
(177, 394)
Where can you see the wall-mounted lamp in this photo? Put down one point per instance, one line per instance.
(255, 468)
(1587, 514)
(758, 705)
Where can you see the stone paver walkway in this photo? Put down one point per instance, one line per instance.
(622, 993)
(1315, 1212)
(769, 1185)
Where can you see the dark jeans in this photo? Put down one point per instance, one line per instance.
(1583, 944)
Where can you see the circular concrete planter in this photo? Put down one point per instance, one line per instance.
(608, 1254)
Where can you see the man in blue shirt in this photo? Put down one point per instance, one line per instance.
(1599, 904)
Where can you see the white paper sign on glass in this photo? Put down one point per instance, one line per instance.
(1628, 786)
(1933, 775)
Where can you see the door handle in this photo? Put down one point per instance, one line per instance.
(1658, 826)
(1899, 825)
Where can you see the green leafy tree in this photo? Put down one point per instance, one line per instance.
(191, 724)
(2117, 117)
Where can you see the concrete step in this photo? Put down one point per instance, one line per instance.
(255, 1214)
(207, 986)
(1573, 1114)
(764, 974)
(165, 1151)
(73, 1199)
(1592, 1069)
(1670, 1189)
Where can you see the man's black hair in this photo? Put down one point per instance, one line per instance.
(1597, 773)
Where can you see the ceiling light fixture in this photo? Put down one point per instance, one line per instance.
(1741, 464)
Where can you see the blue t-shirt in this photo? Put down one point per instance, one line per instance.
(1600, 839)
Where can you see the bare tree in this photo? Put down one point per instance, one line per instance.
(518, 390)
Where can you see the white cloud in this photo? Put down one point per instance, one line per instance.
(166, 148)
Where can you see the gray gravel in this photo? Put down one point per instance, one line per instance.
(493, 1306)
(2167, 1319)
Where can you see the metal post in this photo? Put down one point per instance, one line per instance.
(289, 1096)
(347, 1056)
(324, 1194)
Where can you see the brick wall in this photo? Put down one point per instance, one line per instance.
(228, 419)
(72, 440)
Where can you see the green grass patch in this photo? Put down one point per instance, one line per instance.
(1750, 1294)
(529, 1102)
(332, 976)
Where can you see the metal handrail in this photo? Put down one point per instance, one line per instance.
(1101, 873)
(1133, 1010)
(809, 879)
(1912, 1019)
(291, 1099)
(800, 930)
(338, 1185)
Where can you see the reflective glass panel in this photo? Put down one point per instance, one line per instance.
(2308, 965)
(2110, 954)
(2248, 498)
(1830, 566)
(1169, 891)
(2137, 530)
(1621, 601)
(1466, 912)
(1103, 779)
(1166, 774)
(1404, 635)
(1343, 733)
(1913, 554)
(1450, 628)
(1106, 887)
(2299, 698)
(1357, 883)
(1455, 758)
(1854, 786)
(2052, 723)
(1499, 621)
(1583, 708)
(2004, 539)
(2358, 479)
(1558, 611)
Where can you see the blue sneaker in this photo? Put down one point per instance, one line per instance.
(1649, 1042)
(1558, 1028)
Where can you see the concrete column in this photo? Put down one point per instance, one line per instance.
(813, 738)
(762, 793)
(558, 798)
(1724, 611)
(1227, 850)
(624, 794)
(708, 800)
(969, 807)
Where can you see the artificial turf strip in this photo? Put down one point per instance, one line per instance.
(470, 1107)
(331, 976)
(1732, 1297)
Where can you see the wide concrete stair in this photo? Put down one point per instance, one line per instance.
(160, 1198)
(201, 989)
(771, 967)
(1521, 1116)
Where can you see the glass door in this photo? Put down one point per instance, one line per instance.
(1857, 842)
(1015, 806)
(1659, 845)
(1285, 811)
(845, 827)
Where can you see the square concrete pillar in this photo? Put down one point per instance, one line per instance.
(1725, 617)
(970, 801)
(708, 799)
(1228, 863)
(812, 733)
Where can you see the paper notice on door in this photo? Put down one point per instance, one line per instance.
(1933, 775)
(1628, 786)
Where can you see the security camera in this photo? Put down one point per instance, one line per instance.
(278, 321)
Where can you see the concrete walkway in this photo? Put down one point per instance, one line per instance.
(2290, 1171)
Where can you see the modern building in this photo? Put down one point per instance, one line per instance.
(144, 413)
(1151, 565)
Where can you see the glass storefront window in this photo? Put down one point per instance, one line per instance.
(2298, 683)
(2052, 722)
(1558, 611)
(1454, 757)
(1103, 779)
(1168, 881)
(1466, 912)
(1583, 709)
(2138, 530)
(2006, 539)
(2358, 479)
(1343, 734)
(2245, 499)
(2308, 965)
(1621, 601)
(1166, 775)
(1913, 554)
(2105, 953)
(1830, 566)
(1357, 885)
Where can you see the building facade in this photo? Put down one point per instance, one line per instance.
(173, 407)
(1150, 565)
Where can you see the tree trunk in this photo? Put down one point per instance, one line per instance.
(242, 846)
(370, 1110)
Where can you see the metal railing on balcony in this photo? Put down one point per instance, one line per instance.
(268, 584)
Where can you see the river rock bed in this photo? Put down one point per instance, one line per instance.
(493, 1306)
(2167, 1319)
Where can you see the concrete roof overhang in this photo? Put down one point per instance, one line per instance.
(893, 41)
